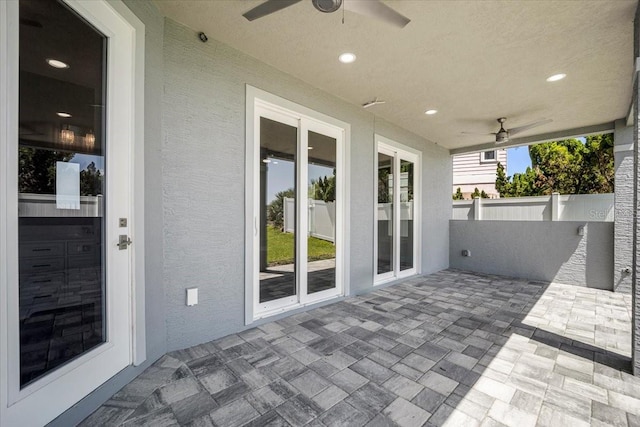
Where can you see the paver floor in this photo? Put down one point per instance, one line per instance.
(451, 348)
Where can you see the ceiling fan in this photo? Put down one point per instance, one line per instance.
(503, 134)
(371, 8)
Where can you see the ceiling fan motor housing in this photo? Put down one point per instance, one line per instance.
(502, 136)
(327, 6)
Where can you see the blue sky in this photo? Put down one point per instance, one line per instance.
(517, 160)
(281, 176)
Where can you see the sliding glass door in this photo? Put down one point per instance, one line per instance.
(396, 212)
(298, 223)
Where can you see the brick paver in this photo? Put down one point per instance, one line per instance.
(451, 348)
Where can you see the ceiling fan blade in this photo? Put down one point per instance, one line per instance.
(478, 133)
(529, 126)
(267, 8)
(378, 10)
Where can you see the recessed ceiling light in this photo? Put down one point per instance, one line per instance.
(556, 77)
(266, 160)
(430, 112)
(309, 148)
(63, 114)
(347, 58)
(57, 64)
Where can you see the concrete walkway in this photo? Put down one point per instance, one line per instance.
(451, 348)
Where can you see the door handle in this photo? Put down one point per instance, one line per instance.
(123, 242)
(255, 225)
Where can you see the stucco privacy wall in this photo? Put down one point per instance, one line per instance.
(154, 287)
(548, 251)
(623, 226)
(203, 176)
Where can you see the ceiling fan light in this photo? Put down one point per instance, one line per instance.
(502, 137)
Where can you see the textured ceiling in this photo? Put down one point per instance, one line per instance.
(473, 61)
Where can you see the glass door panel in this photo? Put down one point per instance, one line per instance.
(278, 207)
(406, 215)
(321, 240)
(61, 188)
(385, 226)
(397, 192)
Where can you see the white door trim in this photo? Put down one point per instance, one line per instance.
(62, 388)
(399, 152)
(258, 101)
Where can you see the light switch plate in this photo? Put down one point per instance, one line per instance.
(192, 296)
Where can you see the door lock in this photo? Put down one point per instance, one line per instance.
(123, 242)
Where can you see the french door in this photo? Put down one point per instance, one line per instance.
(397, 212)
(66, 143)
(298, 210)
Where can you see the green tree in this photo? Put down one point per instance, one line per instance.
(503, 186)
(458, 195)
(37, 169)
(598, 165)
(91, 181)
(323, 189)
(275, 210)
(566, 167)
(479, 194)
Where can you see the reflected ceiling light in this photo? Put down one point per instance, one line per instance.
(89, 140)
(347, 58)
(63, 114)
(67, 136)
(309, 148)
(57, 64)
(556, 77)
(266, 160)
(430, 112)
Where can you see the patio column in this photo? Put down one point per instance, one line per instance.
(635, 346)
(623, 207)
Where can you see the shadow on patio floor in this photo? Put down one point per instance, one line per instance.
(451, 348)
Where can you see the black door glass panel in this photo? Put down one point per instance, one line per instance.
(61, 187)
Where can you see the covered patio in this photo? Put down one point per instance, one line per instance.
(256, 231)
(451, 348)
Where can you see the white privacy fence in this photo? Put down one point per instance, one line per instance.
(385, 213)
(45, 205)
(556, 207)
(322, 218)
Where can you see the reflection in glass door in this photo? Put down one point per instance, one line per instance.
(297, 238)
(321, 240)
(61, 180)
(406, 215)
(278, 163)
(397, 192)
(385, 213)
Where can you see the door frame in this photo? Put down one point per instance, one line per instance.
(398, 151)
(125, 121)
(262, 102)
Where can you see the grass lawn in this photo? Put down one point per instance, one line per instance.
(281, 249)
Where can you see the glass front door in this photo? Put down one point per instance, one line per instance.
(61, 182)
(68, 189)
(299, 220)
